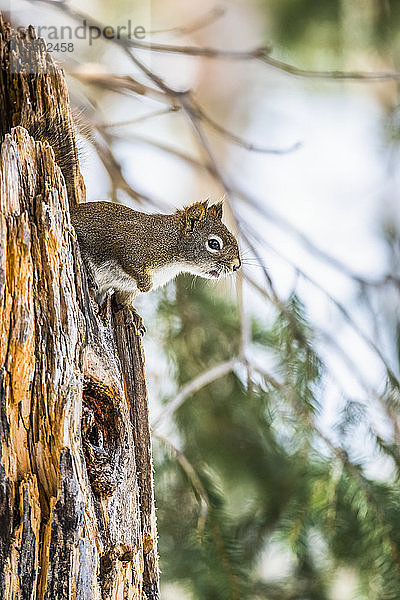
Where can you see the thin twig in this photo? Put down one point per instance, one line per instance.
(123, 84)
(272, 216)
(156, 113)
(208, 19)
(195, 385)
(114, 170)
(168, 149)
(192, 476)
(340, 307)
(331, 75)
(236, 139)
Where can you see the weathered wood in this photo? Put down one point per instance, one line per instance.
(34, 94)
(76, 498)
(132, 361)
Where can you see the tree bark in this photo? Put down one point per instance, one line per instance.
(76, 490)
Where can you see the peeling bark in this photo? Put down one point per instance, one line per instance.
(76, 492)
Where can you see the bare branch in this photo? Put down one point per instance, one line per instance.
(208, 19)
(261, 53)
(237, 139)
(195, 385)
(152, 115)
(280, 221)
(113, 167)
(124, 84)
(245, 329)
(361, 76)
(192, 476)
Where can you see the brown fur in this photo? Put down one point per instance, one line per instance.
(129, 251)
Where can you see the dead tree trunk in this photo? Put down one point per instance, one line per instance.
(76, 497)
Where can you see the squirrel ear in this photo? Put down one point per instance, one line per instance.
(216, 210)
(193, 214)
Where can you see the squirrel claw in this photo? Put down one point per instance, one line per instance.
(125, 299)
(141, 329)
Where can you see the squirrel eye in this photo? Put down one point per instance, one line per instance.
(214, 243)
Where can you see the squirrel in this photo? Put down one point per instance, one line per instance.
(133, 252)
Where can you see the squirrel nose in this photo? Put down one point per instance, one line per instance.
(236, 264)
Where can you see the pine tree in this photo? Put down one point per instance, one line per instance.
(253, 468)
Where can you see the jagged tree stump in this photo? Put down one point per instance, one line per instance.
(76, 499)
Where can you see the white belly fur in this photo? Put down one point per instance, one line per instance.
(162, 275)
(110, 275)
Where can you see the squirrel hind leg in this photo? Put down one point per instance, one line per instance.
(99, 292)
(126, 299)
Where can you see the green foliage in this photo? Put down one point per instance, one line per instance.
(260, 476)
(295, 18)
(322, 33)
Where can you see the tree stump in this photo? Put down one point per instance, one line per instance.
(76, 490)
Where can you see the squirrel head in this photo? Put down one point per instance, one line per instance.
(207, 245)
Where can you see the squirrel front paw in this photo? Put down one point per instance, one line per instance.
(144, 282)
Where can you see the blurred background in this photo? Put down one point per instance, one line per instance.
(275, 395)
